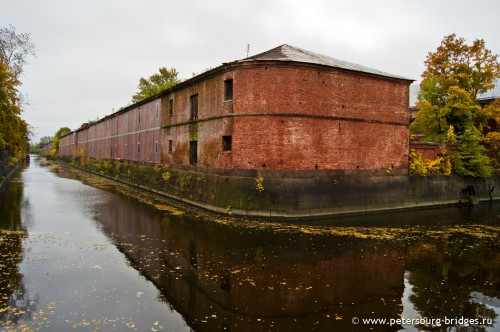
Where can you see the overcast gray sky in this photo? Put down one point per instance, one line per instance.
(91, 53)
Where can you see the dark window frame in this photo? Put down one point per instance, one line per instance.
(194, 106)
(171, 108)
(193, 152)
(228, 90)
(227, 143)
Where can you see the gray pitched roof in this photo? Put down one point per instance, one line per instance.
(291, 53)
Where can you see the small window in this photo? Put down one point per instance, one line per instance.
(126, 120)
(227, 142)
(170, 146)
(139, 116)
(193, 152)
(126, 148)
(171, 108)
(228, 90)
(194, 107)
(156, 147)
(138, 147)
(157, 110)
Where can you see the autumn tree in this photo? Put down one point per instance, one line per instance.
(156, 83)
(14, 49)
(13, 129)
(449, 112)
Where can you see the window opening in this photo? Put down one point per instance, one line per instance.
(194, 107)
(193, 152)
(171, 108)
(227, 142)
(228, 90)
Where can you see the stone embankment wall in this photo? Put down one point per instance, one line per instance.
(297, 194)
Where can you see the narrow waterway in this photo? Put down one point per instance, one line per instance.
(74, 257)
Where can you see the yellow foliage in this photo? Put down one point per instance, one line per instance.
(421, 167)
(259, 183)
(166, 175)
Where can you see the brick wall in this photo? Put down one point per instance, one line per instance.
(133, 134)
(305, 117)
(284, 116)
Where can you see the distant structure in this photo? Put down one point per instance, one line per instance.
(284, 109)
(483, 99)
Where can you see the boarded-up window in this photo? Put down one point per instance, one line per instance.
(157, 110)
(227, 143)
(170, 146)
(193, 152)
(156, 147)
(228, 90)
(194, 107)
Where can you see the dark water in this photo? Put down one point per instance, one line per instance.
(77, 258)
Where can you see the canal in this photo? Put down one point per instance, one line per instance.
(77, 254)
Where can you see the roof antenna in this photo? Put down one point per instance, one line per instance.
(248, 49)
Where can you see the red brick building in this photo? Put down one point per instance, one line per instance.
(284, 109)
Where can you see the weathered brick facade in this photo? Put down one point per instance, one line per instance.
(285, 109)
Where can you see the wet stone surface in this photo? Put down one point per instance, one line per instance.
(78, 252)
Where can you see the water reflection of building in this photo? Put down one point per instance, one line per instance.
(224, 278)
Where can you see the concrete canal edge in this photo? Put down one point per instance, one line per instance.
(297, 194)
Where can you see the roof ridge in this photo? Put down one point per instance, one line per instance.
(287, 52)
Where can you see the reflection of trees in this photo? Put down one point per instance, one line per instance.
(445, 271)
(14, 304)
(11, 195)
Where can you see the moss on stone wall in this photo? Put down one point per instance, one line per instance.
(299, 196)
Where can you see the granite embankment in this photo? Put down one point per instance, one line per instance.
(297, 194)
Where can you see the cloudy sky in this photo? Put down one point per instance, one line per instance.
(91, 53)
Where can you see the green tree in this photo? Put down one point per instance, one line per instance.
(456, 74)
(43, 141)
(55, 142)
(156, 83)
